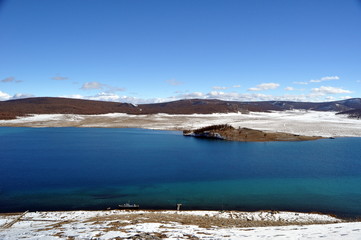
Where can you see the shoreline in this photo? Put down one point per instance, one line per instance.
(283, 216)
(340, 216)
(180, 130)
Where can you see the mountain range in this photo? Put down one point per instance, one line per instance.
(49, 105)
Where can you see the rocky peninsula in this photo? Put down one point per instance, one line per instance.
(227, 132)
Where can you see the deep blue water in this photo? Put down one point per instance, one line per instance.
(96, 168)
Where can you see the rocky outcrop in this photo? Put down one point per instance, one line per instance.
(205, 134)
(355, 113)
(227, 132)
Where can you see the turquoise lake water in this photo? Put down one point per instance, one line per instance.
(96, 168)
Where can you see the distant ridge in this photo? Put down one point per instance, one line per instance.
(49, 105)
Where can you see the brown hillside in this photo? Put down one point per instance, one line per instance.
(11, 109)
(48, 105)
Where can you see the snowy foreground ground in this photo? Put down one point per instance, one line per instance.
(116, 224)
(309, 123)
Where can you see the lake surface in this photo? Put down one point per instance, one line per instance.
(96, 168)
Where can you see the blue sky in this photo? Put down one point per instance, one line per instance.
(145, 51)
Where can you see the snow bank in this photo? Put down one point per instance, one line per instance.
(110, 225)
(266, 216)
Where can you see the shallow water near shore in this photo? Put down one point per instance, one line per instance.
(96, 168)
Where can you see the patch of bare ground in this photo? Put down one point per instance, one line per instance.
(9, 214)
(57, 225)
(59, 234)
(148, 236)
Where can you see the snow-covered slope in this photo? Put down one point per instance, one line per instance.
(116, 224)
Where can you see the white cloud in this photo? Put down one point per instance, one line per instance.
(77, 96)
(301, 83)
(289, 89)
(4, 96)
(264, 86)
(59, 78)
(254, 97)
(191, 95)
(113, 89)
(215, 94)
(101, 86)
(219, 88)
(226, 96)
(330, 98)
(345, 97)
(22, 95)
(323, 79)
(135, 100)
(105, 96)
(8, 79)
(224, 88)
(128, 99)
(92, 85)
(330, 78)
(234, 96)
(329, 90)
(174, 82)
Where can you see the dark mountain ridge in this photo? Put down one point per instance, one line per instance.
(354, 113)
(49, 105)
